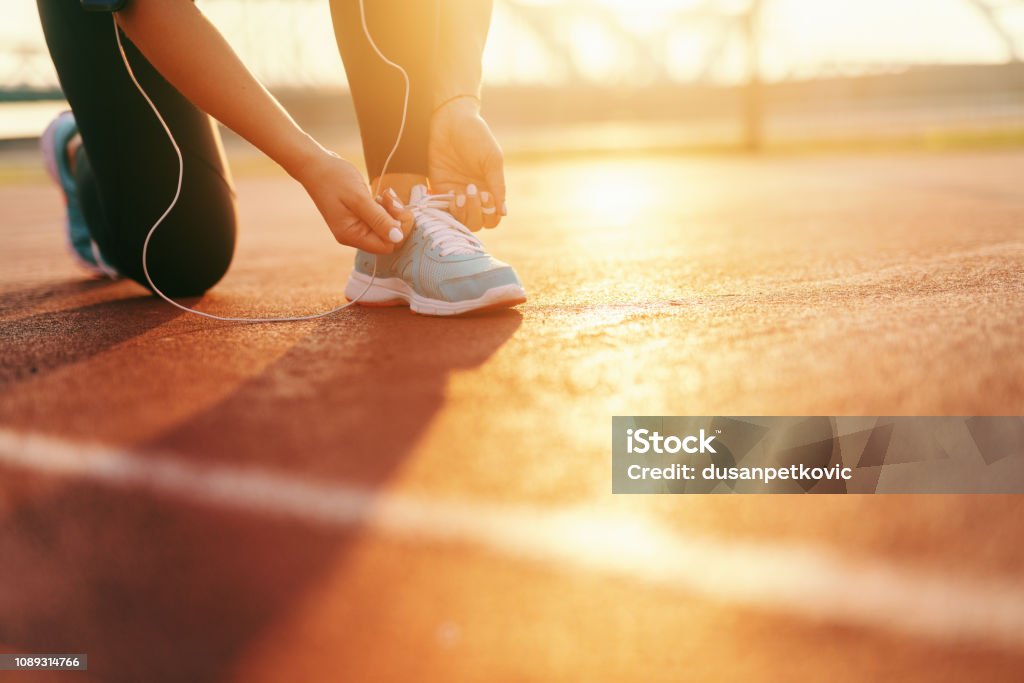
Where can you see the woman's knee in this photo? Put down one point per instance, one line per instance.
(188, 276)
(191, 252)
(185, 263)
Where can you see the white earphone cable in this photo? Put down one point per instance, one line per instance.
(181, 176)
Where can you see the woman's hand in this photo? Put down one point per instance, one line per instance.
(343, 198)
(465, 159)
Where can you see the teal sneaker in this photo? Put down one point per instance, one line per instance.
(54, 144)
(440, 269)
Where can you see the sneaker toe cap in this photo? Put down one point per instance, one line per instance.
(476, 285)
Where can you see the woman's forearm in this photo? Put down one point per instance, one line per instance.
(464, 26)
(193, 56)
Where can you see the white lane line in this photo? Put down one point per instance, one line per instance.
(791, 579)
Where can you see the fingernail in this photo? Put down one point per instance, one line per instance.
(504, 208)
(379, 199)
(489, 211)
(485, 197)
(460, 201)
(395, 235)
(391, 191)
(471, 190)
(397, 204)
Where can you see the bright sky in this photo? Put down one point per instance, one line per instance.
(605, 40)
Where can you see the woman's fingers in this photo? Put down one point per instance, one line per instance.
(473, 207)
(457, 205)
(474, 216)
(379, 221)
(370, 242)
(456, 199)
(489, 210)
(496, 185)
(393, 205)
(352, 232)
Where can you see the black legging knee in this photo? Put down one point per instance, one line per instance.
(127, 173)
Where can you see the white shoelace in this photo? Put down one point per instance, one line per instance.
(442, 229)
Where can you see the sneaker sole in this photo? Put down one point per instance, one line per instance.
(394, 291)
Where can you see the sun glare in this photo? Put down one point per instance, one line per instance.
(616, 40)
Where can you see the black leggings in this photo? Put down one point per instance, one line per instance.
(126, 170)
(406, 31)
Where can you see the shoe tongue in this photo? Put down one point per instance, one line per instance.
(418, 193)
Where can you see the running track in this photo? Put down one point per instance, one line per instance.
(380, 496)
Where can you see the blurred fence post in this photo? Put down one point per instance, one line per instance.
(753, 95)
